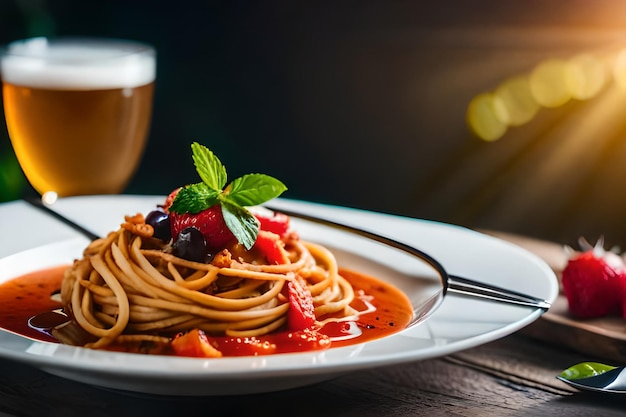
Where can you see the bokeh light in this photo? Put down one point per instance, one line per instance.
(515, 104)
(551, 83)
(483, 119)
(585, 77)
(49, 197)
(548, 83)
(619, 69)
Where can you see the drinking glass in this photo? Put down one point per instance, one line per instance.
(78, 111)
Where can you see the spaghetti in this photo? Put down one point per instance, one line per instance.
(129, 287)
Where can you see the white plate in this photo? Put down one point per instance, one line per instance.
(457, 323)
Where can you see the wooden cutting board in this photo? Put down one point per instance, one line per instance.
(603, 339)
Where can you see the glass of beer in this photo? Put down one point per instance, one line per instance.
(78, 111)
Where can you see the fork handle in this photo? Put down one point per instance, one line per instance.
(473, 288)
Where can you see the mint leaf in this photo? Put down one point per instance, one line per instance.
(243, 225)
(194, 198)
(254, 189)
(209, 167)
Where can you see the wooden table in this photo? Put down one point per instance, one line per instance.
(513, 376)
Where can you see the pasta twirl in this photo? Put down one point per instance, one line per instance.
(131, 288)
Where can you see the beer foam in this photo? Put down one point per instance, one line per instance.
(78, 65)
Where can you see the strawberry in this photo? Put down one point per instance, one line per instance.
(210, 222)
(301, 314)
(593, 283)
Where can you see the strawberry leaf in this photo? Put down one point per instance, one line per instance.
(209, 167)
(254, 189)
(243, 225)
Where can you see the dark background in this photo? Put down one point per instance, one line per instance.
(363, 103)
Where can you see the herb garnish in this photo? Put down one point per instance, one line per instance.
(247, 190)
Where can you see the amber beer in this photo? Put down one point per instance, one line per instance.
(78, 111)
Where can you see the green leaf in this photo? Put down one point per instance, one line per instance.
(209, 167)
(585, 370)
(194, 198)
(243, 225)
(254, 189)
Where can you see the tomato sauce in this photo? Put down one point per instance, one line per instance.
(29, 297)
(393, 309)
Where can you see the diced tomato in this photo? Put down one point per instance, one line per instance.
(301, 314)
(277, 223)
(194, 343)
(272, 247)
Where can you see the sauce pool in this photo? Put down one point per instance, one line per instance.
(26, 296)
(29, 297)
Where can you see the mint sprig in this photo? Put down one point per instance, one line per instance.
(248, 190)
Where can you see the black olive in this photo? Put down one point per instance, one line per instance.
(191, 245)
